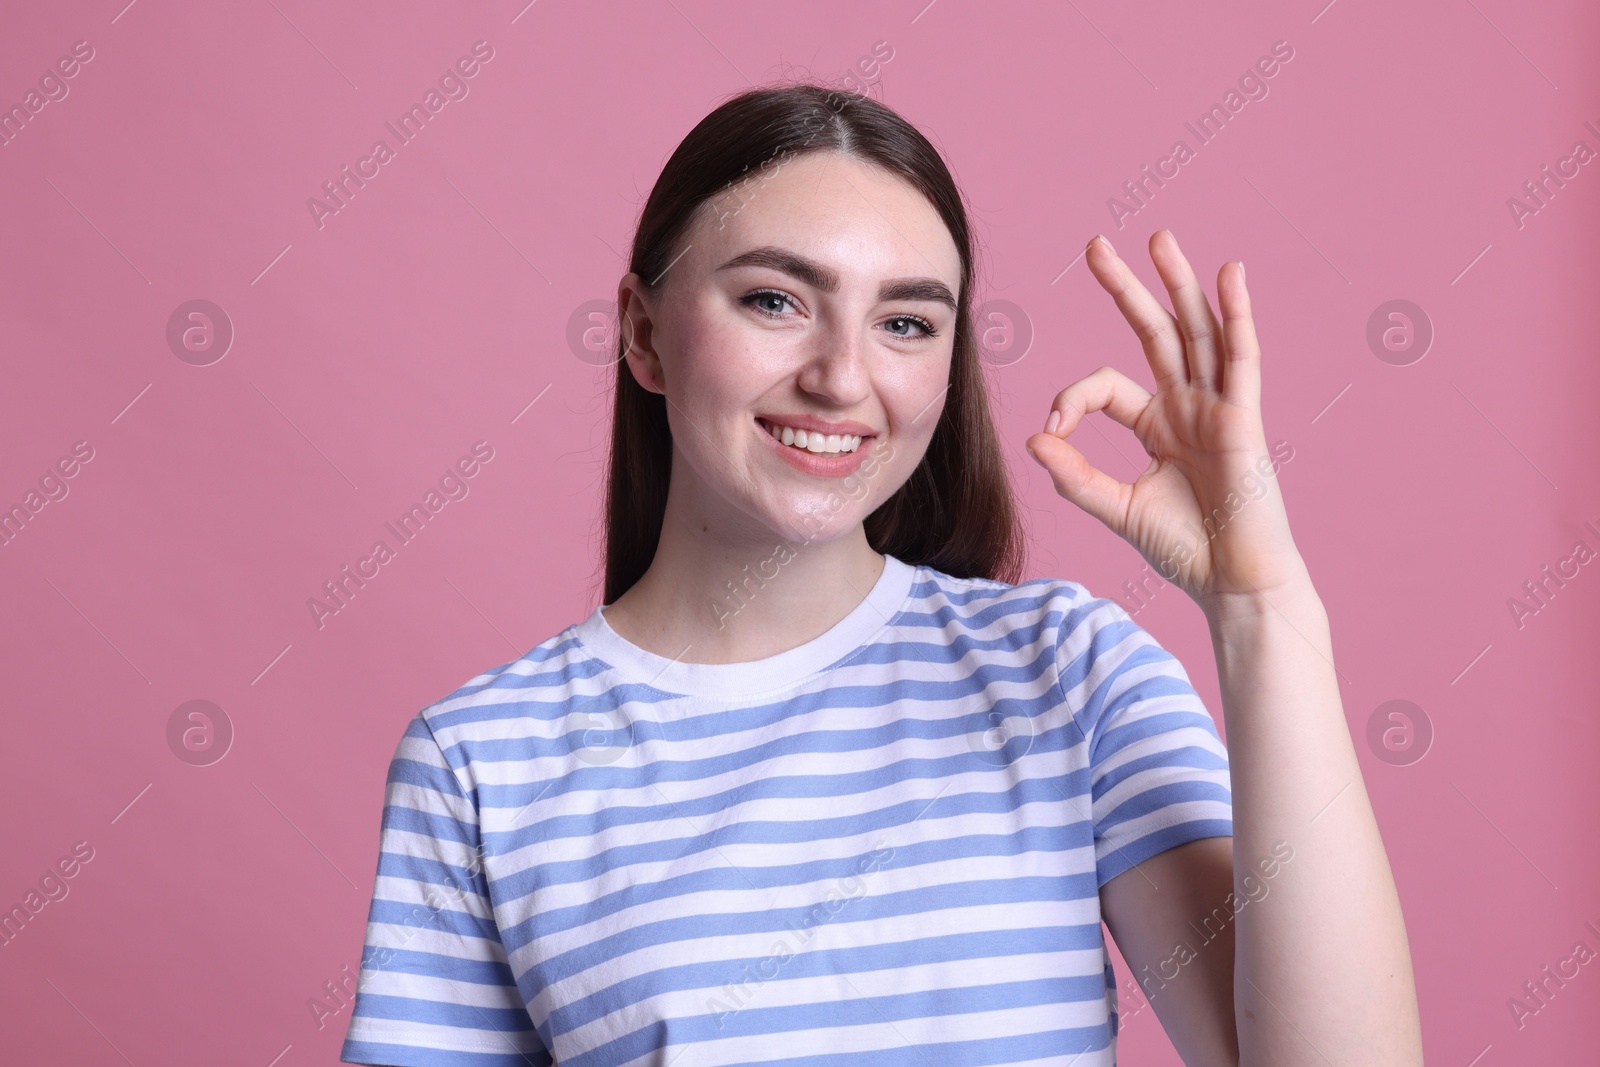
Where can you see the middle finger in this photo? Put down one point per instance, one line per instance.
(1157, 330)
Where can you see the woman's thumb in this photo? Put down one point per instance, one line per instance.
(1076, 479)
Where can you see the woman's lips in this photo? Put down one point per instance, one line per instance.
(822, 465)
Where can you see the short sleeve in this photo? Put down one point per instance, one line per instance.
(1158, 770)
(435, 988)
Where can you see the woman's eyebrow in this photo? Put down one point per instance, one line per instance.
(820, 277)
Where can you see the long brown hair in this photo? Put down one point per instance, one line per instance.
(955, 512)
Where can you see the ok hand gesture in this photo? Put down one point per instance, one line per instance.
(1206, 513)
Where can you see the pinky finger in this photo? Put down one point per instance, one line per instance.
(1241, 370)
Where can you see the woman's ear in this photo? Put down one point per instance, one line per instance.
(638, 334)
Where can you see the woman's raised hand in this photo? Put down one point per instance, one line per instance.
(1206, 513)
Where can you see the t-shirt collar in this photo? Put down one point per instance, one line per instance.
(754, 677)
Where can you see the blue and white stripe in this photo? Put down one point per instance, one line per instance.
(888, 841)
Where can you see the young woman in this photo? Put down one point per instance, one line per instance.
(819, 782)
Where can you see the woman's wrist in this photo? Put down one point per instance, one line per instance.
(1295, 597)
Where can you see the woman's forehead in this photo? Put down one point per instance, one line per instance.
(853, 216)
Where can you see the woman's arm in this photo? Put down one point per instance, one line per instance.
(1321, 972)
(1172, 917)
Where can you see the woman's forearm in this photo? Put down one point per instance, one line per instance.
(1322, 971)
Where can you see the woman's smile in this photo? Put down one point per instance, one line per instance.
(824, 455)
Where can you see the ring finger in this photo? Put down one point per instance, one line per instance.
(1201, 335)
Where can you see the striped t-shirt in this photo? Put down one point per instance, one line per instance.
(886, 842)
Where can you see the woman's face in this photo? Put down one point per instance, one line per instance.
(802, 297)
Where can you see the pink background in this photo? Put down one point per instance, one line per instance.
(432, 311)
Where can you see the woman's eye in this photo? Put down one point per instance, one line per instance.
(766, 297)
(913, 320)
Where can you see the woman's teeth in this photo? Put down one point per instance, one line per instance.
(813, 441)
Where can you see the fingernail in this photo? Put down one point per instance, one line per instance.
(1097, 237)
(1052, 422)
(1241, 270)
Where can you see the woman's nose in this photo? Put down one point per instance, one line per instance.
(836, 367)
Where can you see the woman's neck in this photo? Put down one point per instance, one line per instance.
(705, 601)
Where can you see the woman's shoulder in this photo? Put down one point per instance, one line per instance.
(546, 675)
(1080, 619)
(1046, 593)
